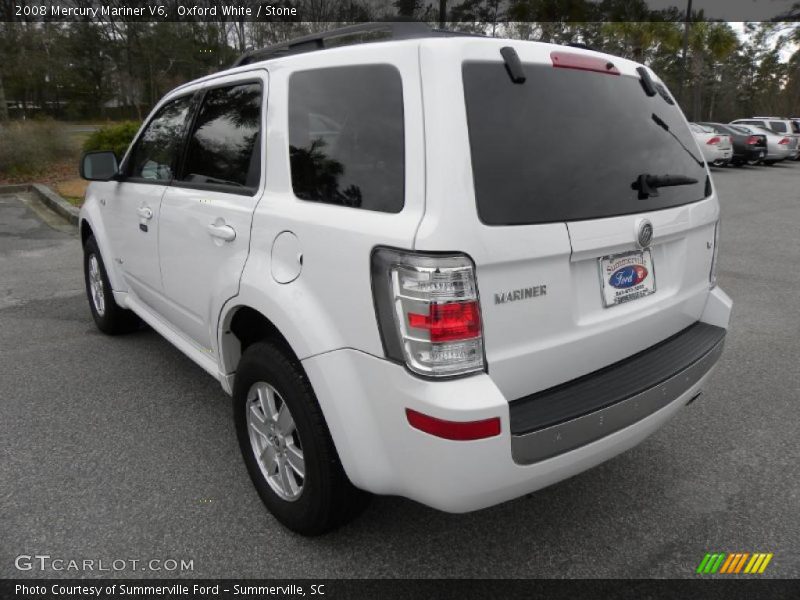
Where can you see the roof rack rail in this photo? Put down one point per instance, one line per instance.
(393, 30)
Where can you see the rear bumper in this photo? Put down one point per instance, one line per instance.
(364, 400)
(751, 153)
(569, 416)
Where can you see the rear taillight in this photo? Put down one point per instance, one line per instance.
(784, 141)
(713, 141)
(752, 140)
(428, 311)
(712, 276)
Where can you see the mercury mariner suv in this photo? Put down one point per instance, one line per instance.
(452, 268)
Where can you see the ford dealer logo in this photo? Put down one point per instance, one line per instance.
(627, 276)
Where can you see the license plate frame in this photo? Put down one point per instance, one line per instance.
(623, 266)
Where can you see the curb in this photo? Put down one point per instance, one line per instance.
(55, 202)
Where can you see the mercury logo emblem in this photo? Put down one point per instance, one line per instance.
(644, 233)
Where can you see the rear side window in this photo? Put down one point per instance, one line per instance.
(224, 146)
(568, 144)
(153, 158)
(778, 126)
(346, 136)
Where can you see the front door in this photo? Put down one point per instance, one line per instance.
(133, 203)
(204, 222)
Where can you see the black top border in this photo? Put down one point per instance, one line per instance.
(354, 11)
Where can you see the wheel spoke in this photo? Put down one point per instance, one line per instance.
(257, 422)
(294, 456)
(268, 457)
(266, 396)
(285, 421)
(288, 482)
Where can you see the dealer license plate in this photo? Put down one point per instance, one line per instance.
(626, 277)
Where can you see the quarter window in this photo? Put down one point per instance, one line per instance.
(154, 155)
(346, 136)
(224, 147)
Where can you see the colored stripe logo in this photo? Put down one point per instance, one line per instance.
(733, 563)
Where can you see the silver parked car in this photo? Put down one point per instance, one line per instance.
(781, 126)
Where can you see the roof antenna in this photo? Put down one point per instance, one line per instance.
(513, 64)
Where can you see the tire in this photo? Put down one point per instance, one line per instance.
(269, 381)
(109, 317)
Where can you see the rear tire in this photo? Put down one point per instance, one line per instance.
(286, 444)
(109, 317)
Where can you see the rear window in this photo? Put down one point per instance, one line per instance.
(567, 145)
(346, 136)
(778, 126)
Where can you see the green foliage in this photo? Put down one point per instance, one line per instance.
(116, 137)
(28, 147)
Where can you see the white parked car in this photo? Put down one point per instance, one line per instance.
(717, 148)
(367, 248)
(778, 145)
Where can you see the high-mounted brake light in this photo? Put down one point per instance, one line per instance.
(428, 311)
(713, 141)
(784, 141)
(454, 430)
(583, 62)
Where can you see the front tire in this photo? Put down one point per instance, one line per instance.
(286, 445)
(109, 317)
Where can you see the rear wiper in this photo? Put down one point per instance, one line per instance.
(661, 123)
(648, 184)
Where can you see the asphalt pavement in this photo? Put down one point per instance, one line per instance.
(122, 449)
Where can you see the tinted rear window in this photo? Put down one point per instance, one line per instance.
(779, 126)
(346, 136)
(566, 145)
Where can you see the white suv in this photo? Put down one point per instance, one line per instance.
(456, 269)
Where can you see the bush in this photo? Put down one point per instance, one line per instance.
(27, 147)
(116, 137)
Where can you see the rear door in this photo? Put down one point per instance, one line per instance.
(206, 214)
(566, 288)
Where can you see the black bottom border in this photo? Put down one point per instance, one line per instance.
(388, 589)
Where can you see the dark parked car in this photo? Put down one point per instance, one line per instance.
(747, 148)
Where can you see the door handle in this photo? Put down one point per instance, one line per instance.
(145, 212)
(222, 232)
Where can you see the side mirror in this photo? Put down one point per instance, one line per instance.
(99, 166)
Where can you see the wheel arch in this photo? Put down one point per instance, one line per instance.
(85, 231)
(91, 224)
(243, 325)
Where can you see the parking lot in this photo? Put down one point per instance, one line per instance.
(122, 448)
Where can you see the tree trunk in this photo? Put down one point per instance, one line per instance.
(697, 81)
(3, 105)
